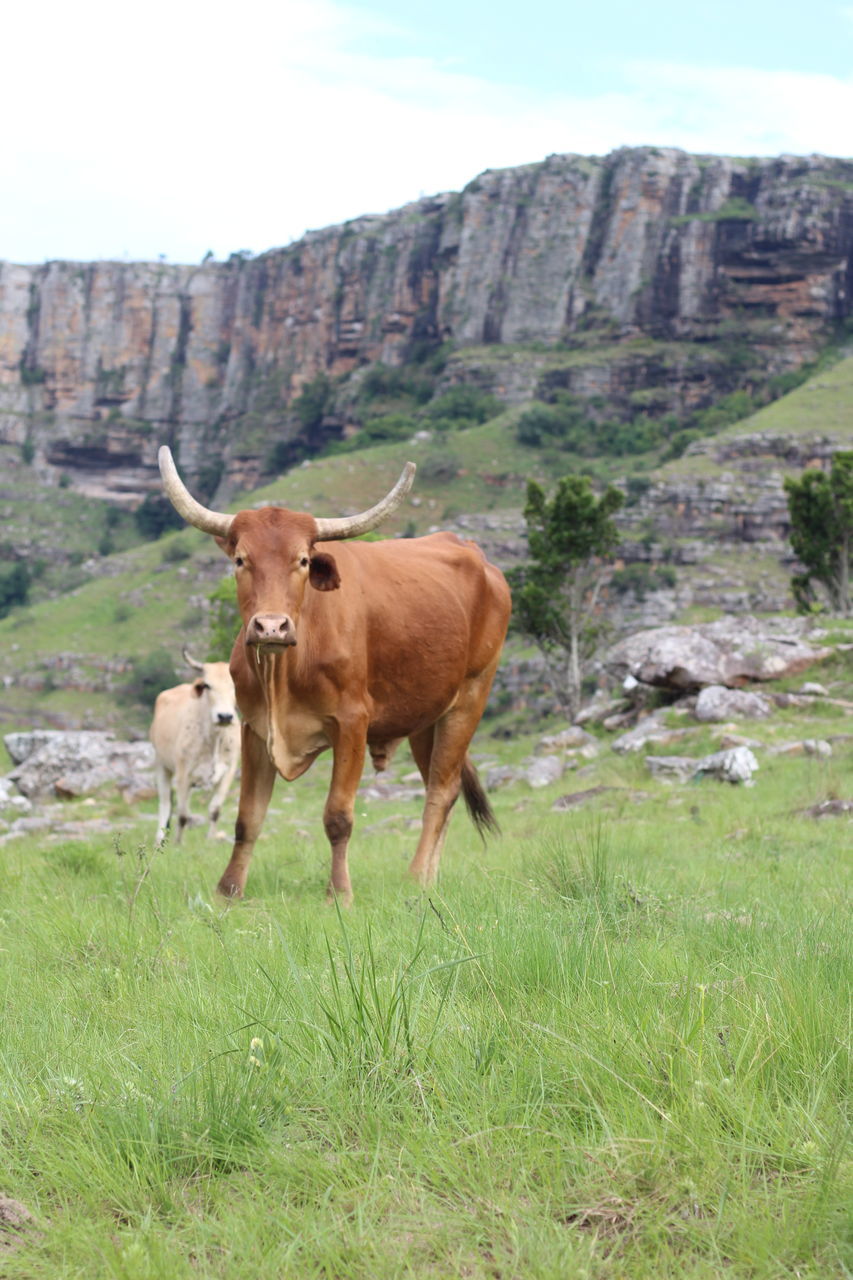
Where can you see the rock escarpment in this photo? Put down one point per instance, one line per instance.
(101, 362)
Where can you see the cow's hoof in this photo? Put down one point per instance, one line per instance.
(342, 899)
(228, 889)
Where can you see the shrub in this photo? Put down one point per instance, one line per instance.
(464, 405)
(15, 580)
(148, 676)
(155, 516)
(225, 619)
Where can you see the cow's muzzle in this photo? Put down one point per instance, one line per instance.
(271, 631)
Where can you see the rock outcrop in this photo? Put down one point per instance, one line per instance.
(100, 362)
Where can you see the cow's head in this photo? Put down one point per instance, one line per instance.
(214, 685)
(274, 552)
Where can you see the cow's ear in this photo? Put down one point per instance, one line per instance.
(323, 574)
(222, 543)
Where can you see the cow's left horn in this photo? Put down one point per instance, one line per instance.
(215, 522)
(352, 526)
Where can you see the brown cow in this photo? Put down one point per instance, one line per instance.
(355, 651)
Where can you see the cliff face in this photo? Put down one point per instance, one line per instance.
(102, 362)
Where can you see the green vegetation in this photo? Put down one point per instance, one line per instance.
(148, 676)
(15, 581)
(557, 592)
(225, 620)
(821, 509)
(614, 1043)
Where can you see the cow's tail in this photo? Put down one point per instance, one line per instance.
(477, 801)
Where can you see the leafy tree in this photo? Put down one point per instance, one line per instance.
(820, 505)
(557, 593)
(225, 619)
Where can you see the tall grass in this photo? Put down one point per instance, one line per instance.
(610, 1046)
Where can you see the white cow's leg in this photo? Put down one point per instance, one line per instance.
(164, 794)
(183, 782)
(223, 775)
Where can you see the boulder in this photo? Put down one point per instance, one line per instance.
(730, 652)
(76, 763)
(737, 764)
(544, 770)
(717, 704)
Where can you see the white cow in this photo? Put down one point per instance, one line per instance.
(196, 738)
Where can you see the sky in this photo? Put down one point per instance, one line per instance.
(175, 128)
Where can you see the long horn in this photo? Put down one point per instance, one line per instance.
(191, 662)
(215, 522)
(352, 526)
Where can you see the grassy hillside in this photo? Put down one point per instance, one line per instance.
(53, 653)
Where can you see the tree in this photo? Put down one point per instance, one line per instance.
(557, 593)
(820, 505)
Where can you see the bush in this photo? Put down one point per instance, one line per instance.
(149, 675)
(175, 551)
(641, 578)
(225, 619)
(15, 580)
(464, 405)
(155, 516)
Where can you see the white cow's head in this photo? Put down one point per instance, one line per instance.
(214, 684)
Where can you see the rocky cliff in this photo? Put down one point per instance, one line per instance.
(101, 362)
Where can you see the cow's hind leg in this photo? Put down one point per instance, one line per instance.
(164, 798)
(441, 755)
(349, 753)
(256, 783)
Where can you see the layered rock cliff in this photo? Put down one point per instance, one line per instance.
(102, 362)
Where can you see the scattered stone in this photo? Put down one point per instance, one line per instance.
(501, 775)
(576, 798)
(15, 1217)
(10, 799)
(729, 740)
(814, 689)
(650, 729)
(544, 770)
(572, 738)
(717, 704)
(830, 809)
(736, 764)
(806, 747)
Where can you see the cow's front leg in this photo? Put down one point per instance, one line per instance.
(349, 752)
(256, 783)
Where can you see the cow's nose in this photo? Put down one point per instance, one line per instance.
(271, 629)
(224, 717)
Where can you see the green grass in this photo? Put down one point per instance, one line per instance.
(613, 1043)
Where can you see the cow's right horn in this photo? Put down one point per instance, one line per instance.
(191, 662)
(216, 522)
(353, 526)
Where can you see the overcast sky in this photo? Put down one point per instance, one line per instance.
(175, 127)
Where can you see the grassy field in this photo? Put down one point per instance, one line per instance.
(613, 1043)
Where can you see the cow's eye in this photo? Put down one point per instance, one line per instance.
(238, 560)
(303, 563)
